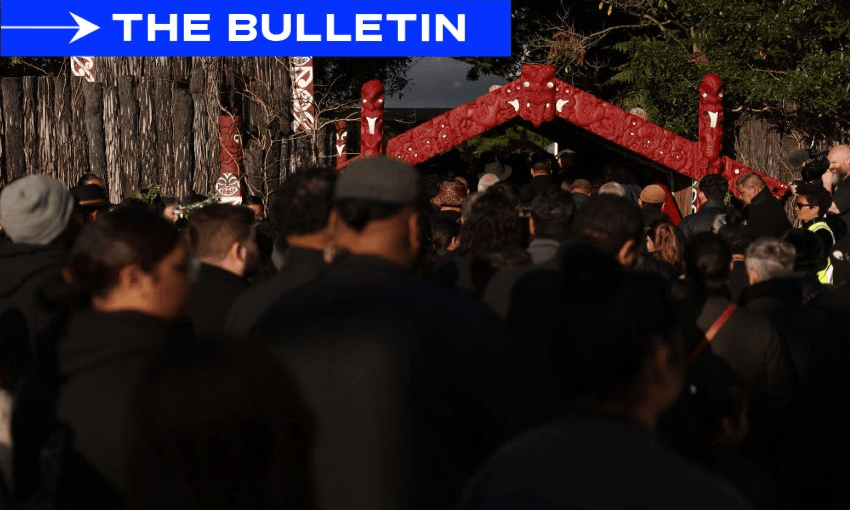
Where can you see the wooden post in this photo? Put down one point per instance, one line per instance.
(112, 143)
(94, 127)
(46, 124)
(62, 128)
(14, 128)
(79, 143)
(182, 120)
(30, 129)
(149, 171)
(129, 143)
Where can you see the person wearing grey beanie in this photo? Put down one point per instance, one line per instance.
(35, 209)
(36, 213)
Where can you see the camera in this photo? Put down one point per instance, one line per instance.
(814, 168)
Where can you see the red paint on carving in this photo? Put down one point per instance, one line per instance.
(710, 138)
(372, 118)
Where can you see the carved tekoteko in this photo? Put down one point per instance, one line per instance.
(372, 118)
(228, 185)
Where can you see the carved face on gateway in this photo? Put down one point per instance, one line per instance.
(711, 100)
(373, 104)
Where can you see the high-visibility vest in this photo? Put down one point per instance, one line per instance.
(825, 274)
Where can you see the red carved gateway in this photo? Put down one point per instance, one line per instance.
(538, 97)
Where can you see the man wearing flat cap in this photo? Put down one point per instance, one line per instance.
(411, 385)
(651, 199)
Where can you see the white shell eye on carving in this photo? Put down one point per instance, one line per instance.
(344, 136)
(720, 95)
(365, 101)
(704, 94)
(237, 138)
(381, 100)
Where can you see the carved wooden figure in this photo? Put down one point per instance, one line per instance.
(341, 142)
(710, 125)
(372, 119)
(228, 185)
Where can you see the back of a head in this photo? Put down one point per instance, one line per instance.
(736, 234)
(707, 258)
(442, 232)
(303, 202)
(491, 226)
(123, 237)
(542, 163)
(770, 258)
(714, 186)
(751, 180)
(608, 222)
(35, 209)
(582, 186)
(376, 188)
(552, 211)
(213, 229)
(220, 428)
(666, 240)
(612, 322)
(612, 188)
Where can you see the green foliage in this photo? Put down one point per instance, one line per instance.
(148, 195)
(500, 141)
(775, 56)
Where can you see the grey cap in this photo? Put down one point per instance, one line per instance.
(35, 209)
(381, 179)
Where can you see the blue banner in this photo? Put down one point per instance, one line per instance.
(323, 28)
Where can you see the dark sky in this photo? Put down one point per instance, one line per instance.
(441, 83)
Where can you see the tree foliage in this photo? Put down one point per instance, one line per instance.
(788, 58)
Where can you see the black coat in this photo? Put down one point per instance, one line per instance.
(213, 294)
(751, 345)
(412, 385)
(594, 463)
(101, 360)
(33, 296)
(300, 266)
(765, 216)
(799, 325)
(702, 220)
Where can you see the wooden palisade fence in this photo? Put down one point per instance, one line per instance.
(154, 120)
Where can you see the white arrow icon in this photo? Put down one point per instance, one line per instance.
(83, 27)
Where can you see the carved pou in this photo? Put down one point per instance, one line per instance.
(710, 125)
(341, 137)
(536, 101)
(228, 186)
(372, 118)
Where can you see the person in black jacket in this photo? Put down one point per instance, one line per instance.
(412, 385)
(712, 191)
(37, 214)
(134, 267)
(299, 215)
(624, 374)
(764, 214)
(222, 239)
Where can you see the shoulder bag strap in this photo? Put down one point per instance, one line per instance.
(710, 332)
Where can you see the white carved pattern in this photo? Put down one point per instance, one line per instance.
(303, 105)
(83, 67)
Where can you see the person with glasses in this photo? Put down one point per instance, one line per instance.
(812, 204)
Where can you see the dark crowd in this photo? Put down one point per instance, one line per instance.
(385, 337)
